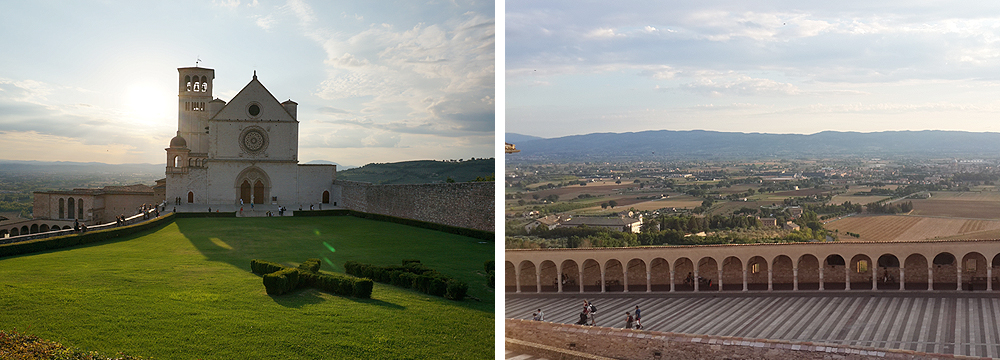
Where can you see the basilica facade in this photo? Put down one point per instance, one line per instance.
(241, 152)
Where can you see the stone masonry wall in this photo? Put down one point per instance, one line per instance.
(642, 345)
(467, 205)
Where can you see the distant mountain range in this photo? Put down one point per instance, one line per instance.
(713, 144)
(69, 167)
(420, 171)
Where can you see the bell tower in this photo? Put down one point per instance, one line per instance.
(194, 94)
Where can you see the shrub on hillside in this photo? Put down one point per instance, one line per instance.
(281, 282)
(311, 265)
(456, 289)
(412, 275)
(277, 283)
(261, 267)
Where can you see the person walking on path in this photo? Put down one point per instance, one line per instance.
(593, 313)
(638, 322)
(628, 320)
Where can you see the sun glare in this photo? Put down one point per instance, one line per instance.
(148, 104)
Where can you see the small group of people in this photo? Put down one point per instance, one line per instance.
(78, 227)
(633, 321)
(689, 280)
(589, 311)
(120, 220)
(538, 316)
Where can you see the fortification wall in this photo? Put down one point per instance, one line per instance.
(467, 205)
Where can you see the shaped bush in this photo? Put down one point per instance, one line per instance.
(362, 288)
(281, 282)
(261, 267)
(412, 274)
(311, 265)
(456, 290)
(284, 280)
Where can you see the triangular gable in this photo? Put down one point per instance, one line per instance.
(254, 92)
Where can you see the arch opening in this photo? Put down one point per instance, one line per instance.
(636, 275)
(510, 277)
(614, 276)
(808, 273)
(527, 277)
(683, 275)
(549, 276)
(570, 276)
(732, 274)
(782, 273)
(915, 272)
(887, 272)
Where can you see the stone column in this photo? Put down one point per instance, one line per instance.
(989, 278)
(821, 277)
(559, 278)
(958, 275)
(745, 279)
(625, 276)
(649, 276)
(795, 279)
(602, 279)
(769, 275)
(696, 279)
(902, 276)
(720, 279)
(875, 276)
(847, 275)
(517, 279)
(671, 280)
(538, 279)
(580, 278)
(930, 277)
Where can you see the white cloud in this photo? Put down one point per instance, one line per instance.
(265, 22)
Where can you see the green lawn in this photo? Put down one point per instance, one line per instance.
(185, 291)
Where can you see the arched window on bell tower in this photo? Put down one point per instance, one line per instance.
(204, 84)
(197, 86)
(187, 79)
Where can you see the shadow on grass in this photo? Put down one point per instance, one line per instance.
(276, 239)
(300, 297)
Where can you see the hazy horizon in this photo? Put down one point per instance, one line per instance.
(784, 67)
(374, 83)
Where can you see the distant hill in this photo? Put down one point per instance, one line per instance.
(713, 144)
(419, 172)
(69, 167)
(514, 138)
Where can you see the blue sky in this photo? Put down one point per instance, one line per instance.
(802, 67)
(380, 81)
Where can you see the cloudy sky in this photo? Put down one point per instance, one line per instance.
(376, 81)
(748, 66)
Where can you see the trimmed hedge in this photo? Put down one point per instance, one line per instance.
(261, 267)
(411, 275)
(90, 237)
(473, 233)
(311, 265)
(280, 280)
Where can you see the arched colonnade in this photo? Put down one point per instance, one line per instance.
(910, 265)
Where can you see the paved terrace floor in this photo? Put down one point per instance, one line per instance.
(960, 323)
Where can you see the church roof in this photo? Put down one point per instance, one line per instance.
(178, 141)
(254, 93)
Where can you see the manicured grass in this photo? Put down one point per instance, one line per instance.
(185, 291)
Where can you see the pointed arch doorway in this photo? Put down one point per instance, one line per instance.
(253, 186)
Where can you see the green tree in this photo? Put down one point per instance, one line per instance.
(612, 204)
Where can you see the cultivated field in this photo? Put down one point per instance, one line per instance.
(185, 291)
(899, 227)
(675, 201)
(978, 205)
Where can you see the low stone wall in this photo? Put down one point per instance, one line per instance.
(466, 205)
(642, 345)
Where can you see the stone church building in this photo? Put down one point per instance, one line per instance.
(245, 150)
